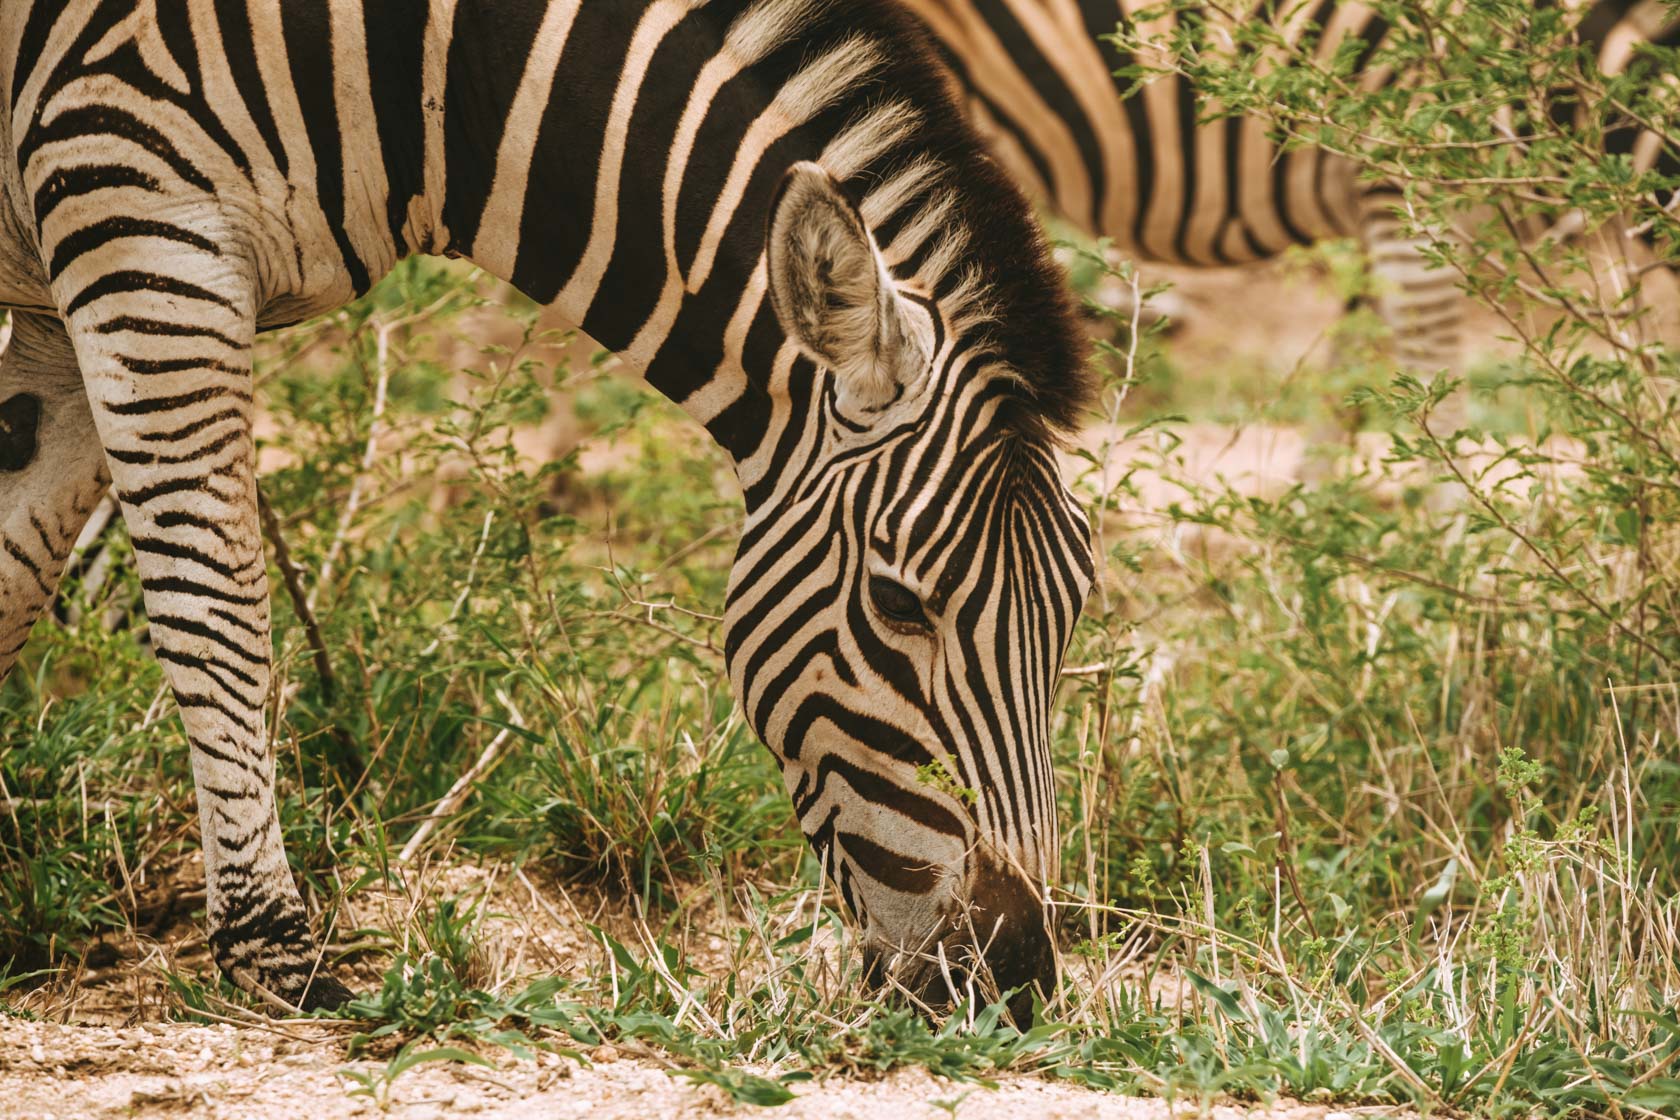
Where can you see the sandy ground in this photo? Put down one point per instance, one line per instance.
(82, 1065)
(50, 1072)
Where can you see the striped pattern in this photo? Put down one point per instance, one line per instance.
(1039, 80)
(772, 208)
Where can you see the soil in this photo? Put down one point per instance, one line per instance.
(52, 1072)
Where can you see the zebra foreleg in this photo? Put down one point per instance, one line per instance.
(51, 473)
(1421, 305)
(167, 365)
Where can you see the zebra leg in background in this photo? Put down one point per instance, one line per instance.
(1421, 305)
(92, 563)
(164, 342)
(52, 472)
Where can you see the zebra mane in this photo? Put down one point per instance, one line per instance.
(946, 216)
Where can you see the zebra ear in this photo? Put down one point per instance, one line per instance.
(832, 292)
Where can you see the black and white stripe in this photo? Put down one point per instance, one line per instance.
(1039, 76)
(773, 208)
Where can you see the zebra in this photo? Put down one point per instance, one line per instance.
(1041, 79)
(772, 209)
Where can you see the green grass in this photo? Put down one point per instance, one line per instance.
(1363, 802)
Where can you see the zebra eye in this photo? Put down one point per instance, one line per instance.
(896, 601)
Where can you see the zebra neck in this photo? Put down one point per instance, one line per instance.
(619, 172)
(618, 161)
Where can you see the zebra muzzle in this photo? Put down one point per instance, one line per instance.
(1005, 921)
(997, 942)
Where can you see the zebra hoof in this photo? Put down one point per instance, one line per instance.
(325, 994)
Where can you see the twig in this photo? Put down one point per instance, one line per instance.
(235, 1016)
(460, 602)
(301, 602)
(648, 608)
(1388, 1054)
(462, 789)
(1448, 458)
(122, 868)
(1286, 854)
(546, 905)
(1106, 482)
(382, 348)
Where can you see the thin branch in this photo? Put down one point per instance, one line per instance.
(293, 577)
(463, 787)
(1450, 460)
(455, 608)
(353, 503)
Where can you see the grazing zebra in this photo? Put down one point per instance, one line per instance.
(775, 211)
(1039, 76)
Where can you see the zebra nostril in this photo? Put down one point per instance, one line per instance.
(20, 419)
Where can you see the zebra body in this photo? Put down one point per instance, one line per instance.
(1040, 81)
(769, 207)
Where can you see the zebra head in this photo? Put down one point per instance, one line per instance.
(900, 605)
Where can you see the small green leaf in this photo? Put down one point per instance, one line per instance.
(747, 1088)
(1227, 1001)
(1435, 896)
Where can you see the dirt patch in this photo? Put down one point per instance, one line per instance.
(293, 1070)
(112, 1050)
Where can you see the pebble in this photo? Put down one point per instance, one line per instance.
(603, 1054)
